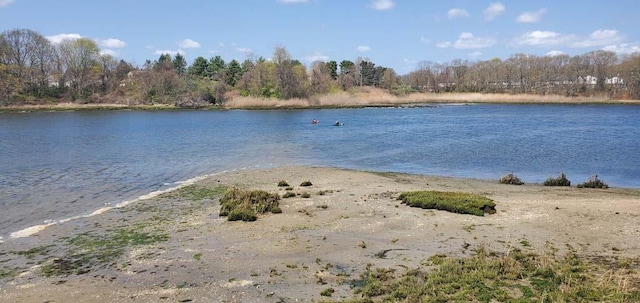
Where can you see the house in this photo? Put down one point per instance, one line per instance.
(614, 80)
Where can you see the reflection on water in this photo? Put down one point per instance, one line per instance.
(58, 165)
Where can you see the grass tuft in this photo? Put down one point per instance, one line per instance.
(593, 182)
(289, 194)
(511, 179)
(561, 180)
(243, 205)
(462, 203)
(283, 183)
(306, 183)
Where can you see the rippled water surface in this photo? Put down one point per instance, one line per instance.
(59, 165)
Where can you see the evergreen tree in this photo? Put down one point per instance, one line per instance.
(216, 68)
(199, 67)
(179, 64)
(234, 73)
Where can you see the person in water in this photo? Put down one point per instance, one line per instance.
(337, 123)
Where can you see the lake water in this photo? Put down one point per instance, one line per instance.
(59, 165)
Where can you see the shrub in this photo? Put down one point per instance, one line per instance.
(559, 181)
(511, 179)
(306, 183)
(462, 203)
(242, 214)
(283, 183)
(276, 210)
(593, 182)
(289, 194)
(327, 292)
(244, 205)
(306, 195)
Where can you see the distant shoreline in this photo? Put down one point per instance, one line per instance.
(364, 98)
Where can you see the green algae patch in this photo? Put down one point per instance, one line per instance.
(196, 192)
(455, 202)
(88, 251)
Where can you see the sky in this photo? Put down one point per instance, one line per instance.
(399, 34)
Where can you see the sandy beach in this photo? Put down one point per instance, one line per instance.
(351, 220)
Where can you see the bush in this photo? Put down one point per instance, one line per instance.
(306, 195)
(462, 203)
(283, 183)
(244, 205)
(242, 214)
(559, 181)
(593, 182)
(327, 292)
(511, 179)
(306, 183)
(289, 194)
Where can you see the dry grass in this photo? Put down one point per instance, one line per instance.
(368, 96)
(355, 97)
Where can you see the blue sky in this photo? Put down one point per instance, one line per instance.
(392, 33)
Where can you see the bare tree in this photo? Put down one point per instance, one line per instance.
(80, 57)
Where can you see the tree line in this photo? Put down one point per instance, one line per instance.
(34, 70)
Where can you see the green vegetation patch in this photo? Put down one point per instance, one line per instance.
(491, 277)
(196, 192)
(245, 205)
(462, 203)
(561, 180)
(90, 251)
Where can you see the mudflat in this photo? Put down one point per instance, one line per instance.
(176, 248)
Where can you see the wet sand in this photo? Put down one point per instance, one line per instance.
(352, 219)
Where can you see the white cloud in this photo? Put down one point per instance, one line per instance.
(292, 1)
(457, 12)
(474, 55)
(168, 52)
(467, 41)
(425, 40)
(599, 38)
(624, 48)
(363, 48)
(55, 39)
(188, 43)
(112, 43)
(244, 50)
(443, 44)
(532, 17)
(541, 38)
(494, 10)
(108, 52)
(554, 53)
(382, 5)
(317, 57)
(4, 3)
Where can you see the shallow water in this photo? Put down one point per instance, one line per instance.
(58, 165)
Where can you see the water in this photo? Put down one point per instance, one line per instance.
(59, 165)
